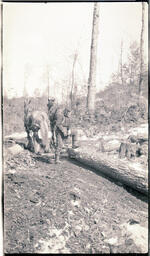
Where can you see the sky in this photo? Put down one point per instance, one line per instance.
(42, 38)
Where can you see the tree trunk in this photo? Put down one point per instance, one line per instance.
(93, 61)
(121, 63)
(128, 173)
(72, 80)
(48, 82)
(25, 93)
(142, 50)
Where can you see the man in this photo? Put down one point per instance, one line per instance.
(61, 127)
(52, 108)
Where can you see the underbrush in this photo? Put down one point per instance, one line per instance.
(116, 108)
(13, 112)
(113, 115)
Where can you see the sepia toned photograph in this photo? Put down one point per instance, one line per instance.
(75, 127)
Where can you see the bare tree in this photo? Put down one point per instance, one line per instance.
(121, 63)
(93, 61)
(37, 92)
(142, 49)
(45, 77)
(128, 72)
(28, 69)
(73, 79)
(47, 73)
(25, 93)
(134, 63)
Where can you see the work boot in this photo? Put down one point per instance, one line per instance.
(75, 146)
(57, 158)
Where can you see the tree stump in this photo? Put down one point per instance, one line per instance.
(129, 150)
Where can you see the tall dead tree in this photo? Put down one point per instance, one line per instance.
(142, 50)
(93, 61)
(121, 63)
(47, 81)
(72, 79)
(25, 93)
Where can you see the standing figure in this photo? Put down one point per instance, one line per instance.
(60, 123)
(52, 108)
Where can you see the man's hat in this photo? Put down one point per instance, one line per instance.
(68, 109)
(51, 99)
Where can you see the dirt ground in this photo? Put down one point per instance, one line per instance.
(68, 208)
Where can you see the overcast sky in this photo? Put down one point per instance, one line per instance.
(37, 34)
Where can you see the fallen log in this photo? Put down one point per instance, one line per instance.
(131, 174)
(14, 150)
(112, 145)
(108, 144)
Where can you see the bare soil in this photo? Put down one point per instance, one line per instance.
(69, 208)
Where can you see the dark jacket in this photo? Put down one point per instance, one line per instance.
(58, 120)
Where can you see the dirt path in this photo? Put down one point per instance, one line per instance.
(68, 208)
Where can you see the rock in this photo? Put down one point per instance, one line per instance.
(96, 218)
(137, 234)
(85, 227)
(77, 230)
(88, 246)
(103, 234)
(112, 241)
(105, 249)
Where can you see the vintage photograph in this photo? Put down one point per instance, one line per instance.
(75, 127)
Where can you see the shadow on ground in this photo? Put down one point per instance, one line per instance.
(135, 193)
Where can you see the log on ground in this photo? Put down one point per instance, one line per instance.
(129, 173)
(16, 149)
